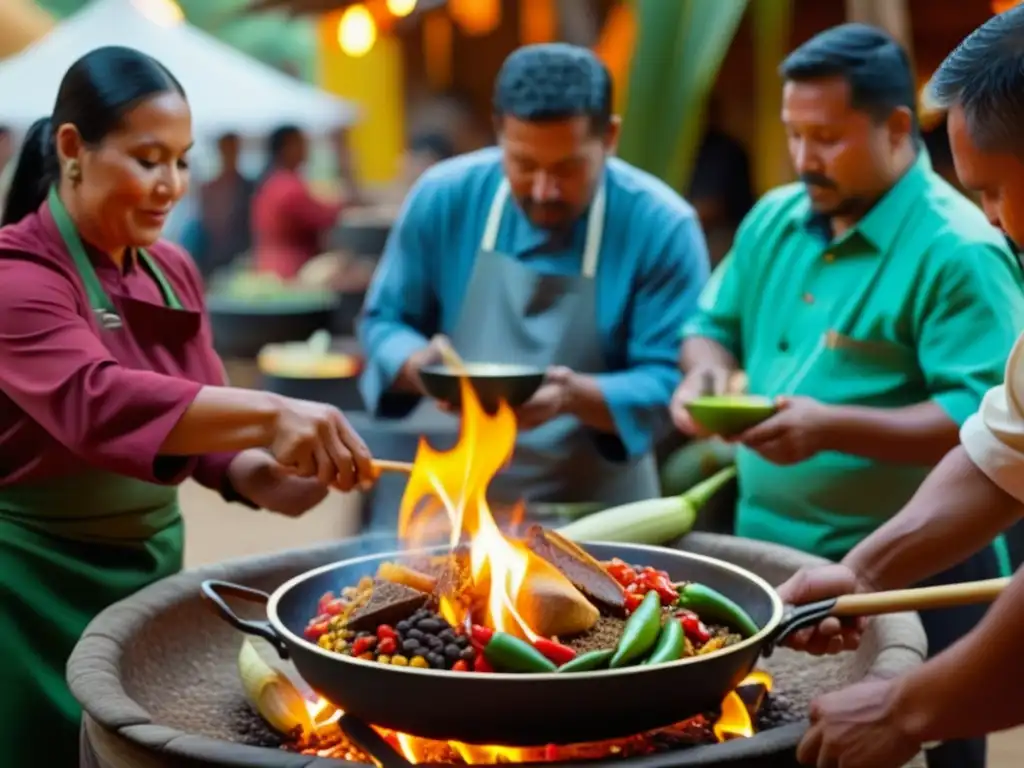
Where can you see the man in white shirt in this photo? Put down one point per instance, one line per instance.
(975, 493)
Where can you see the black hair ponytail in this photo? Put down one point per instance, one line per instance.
(94, 95)
(36, 171)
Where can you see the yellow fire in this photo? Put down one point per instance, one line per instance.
(447, 494)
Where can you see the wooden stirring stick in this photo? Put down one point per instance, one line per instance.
(383, 465)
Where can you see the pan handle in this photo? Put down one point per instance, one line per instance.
(878, 603)
(215, 592)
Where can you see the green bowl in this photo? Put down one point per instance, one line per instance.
(729, 415)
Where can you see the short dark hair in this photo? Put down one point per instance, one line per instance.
(554, 81)
(94, 96)
(875, 66)
(984, 75)
(279, 139)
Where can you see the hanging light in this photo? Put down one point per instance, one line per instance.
(476, 17)
(357, 31)
(401, 7)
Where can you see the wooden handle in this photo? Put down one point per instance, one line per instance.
(383, 465)
(922, 599)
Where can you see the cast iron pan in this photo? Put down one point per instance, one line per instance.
(532, 709)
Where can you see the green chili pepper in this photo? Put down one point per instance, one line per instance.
(508, 653)
(640, 633)
(711, 604)
(588, 661)
(671, 643)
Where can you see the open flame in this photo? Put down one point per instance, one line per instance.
(447, 493)
(446, 496)
(736, 720)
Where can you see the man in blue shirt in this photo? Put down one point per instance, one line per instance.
(546, 250)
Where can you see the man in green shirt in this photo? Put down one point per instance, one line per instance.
(874, 300)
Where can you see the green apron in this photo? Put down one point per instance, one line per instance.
(70, 547)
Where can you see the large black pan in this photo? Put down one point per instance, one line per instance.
(526, 710)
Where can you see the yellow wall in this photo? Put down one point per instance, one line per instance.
(374, 83)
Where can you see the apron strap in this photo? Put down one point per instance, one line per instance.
(99, 300)
(490, 238)
(595, 226)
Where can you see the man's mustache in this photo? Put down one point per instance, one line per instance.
(812, 179)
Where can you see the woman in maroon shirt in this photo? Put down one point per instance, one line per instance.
(288, 222)
(110, 391)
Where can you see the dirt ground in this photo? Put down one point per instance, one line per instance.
(218, 531)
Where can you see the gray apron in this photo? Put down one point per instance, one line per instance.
(514, 314)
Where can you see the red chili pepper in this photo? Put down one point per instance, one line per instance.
(695, 630)
(480, 664)
(480, 636)
(324, 600)
(315, 630)
(460, 666)
(387, 645)
(554, 652)
(621, 572)
(633, 600)
(362, 645)
(334, 607)
(384, 631)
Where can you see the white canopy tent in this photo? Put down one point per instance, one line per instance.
(228, 91)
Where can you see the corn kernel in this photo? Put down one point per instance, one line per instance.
(398, 660)
(384, 659)
(419, 662)
(324, 641)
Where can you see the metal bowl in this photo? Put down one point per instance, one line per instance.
(493, 382)
(242, 327)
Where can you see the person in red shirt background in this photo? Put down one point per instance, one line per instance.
(288, 221)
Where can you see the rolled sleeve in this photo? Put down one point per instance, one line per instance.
(670, 282)
(57, 371)
(401, 310)
(994, 437)
(966, 333)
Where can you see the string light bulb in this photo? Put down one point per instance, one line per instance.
(357, 31)
(401, 7)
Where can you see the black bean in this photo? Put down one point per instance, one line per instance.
(467, 654)
(422, 613)
(452, 652)
(437, 661)
(411, 647)
(403, 626)
(433, 626)
(462, 641)
(415, 633)
(448, 636)
(433, 641)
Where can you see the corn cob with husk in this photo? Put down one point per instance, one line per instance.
(652, 521)
(272, 694)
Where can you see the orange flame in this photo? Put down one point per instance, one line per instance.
(734, 722)
(447, 491)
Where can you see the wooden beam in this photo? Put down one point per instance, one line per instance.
(891, 15)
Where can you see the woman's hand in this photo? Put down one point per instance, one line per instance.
(314, 440)
(256, 476)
